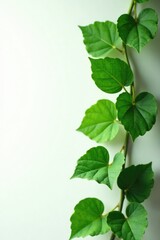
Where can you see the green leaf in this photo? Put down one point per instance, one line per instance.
(100, 38)
(116, 220)
(133, 227)
(137, 116)
(94, 165)
(87, 219)
(111, 75)
(99, 122)
(139, 182)
(141, 1)
(137, 33)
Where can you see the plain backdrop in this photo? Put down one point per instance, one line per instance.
(46, 87)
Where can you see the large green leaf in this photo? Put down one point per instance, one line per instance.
(100, 38)
(137, 33)
(139, 182)
(137, 116)
(94, 165)
(132, 227)
(99, 122)
(87, 219)
(111, 75)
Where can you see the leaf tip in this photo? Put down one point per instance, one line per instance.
(78, 129)
(71, 237)
(80, 27)
(73, 176)
(133, 137)
(90, 59)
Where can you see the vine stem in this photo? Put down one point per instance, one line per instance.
(131, 7)
(126, 143)
(122, 197)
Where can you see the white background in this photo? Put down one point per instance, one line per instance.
(45, 89)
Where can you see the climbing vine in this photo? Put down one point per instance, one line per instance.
(137, 114)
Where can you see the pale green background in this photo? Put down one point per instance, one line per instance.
(45, 89)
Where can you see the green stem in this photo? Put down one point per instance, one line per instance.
(119, 50)
(131, 7)
(122, 198)
(135, 10)
(126, 54)
(132, 92)
(132, 88)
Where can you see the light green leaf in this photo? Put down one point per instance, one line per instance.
(100, 38)
(137, 117)
(87, 219)
(133, 227)
(99, 122)
(139, 182)
(111, 75)
(94, 165)
(137, 33)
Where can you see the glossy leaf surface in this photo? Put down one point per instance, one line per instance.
(100, 38)
(99, 122)
(139, 182)
(137, 116)
(133, 226)
(94, 165)
(87, 219)
(111, 75)
(137, 33)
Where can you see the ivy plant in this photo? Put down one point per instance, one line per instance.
(136, 112)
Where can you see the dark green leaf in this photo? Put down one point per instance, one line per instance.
(100, 38)
(133, 227)
(111, 75)
(87, 219)
(116, 220)
(139, 116)
(137, 33)
(139, 182)
(99, 122)
(141, 1)
(94, 165)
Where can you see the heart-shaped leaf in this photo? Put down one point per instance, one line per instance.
(111, 75)
(137, 33)
(137, 116)
(133, 227)
(87, 219)
(94, 165)
(99, 122)
(139, 182)
(100, 38)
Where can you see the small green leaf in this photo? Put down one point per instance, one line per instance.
(139, 182)
(137, 117)
(116, 220)
(137, 33)
(111, 75)
(99, 122)
(100, 38)
(133, 227)
(88, 219)
(94, 165)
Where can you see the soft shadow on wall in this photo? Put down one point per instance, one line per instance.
(148, 80)
(154, 200)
